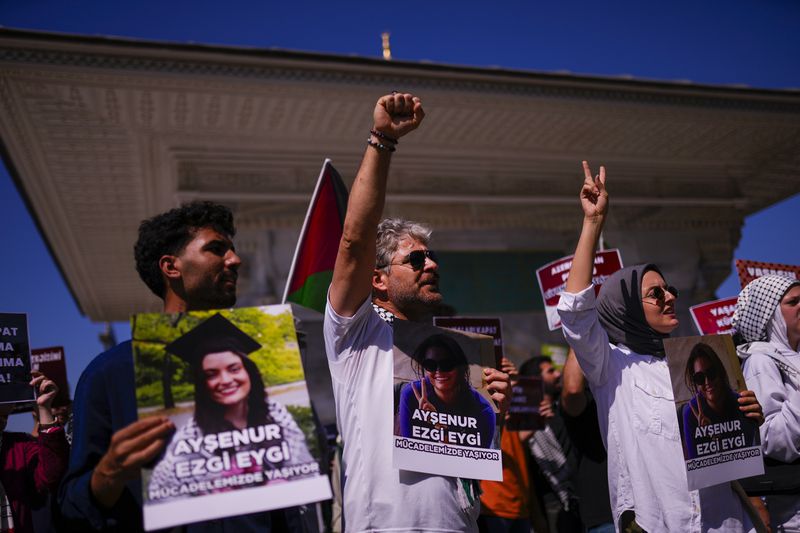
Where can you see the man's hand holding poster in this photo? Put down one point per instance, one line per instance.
(720, 443)
(445, 418)
(232, 383)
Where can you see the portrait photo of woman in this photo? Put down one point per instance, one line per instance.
(444, 387)
(713, 401)
(229, 395)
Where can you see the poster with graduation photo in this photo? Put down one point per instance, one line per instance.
(232, 382)
(15, 359)
(491, 326)
(720, 443)
(445, 418)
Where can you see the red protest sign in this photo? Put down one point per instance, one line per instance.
(52, 363)
(750, 270)
(492, 327)
(714, 318)
(552, 279)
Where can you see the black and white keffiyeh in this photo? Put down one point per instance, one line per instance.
(756, 306)
(386, 316)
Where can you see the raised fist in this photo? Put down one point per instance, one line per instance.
(396, 114)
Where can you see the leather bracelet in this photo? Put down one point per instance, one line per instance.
(383, 136)
(381, 147)
(51, 425)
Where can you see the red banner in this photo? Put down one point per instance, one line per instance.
(552, 279)
(492, 327)
(750, 270)
(714, 318)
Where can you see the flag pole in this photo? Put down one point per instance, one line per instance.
(304, 229)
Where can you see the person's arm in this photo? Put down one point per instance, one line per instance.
(594, 202)
(394, 116)
(780, 433)
(82, 508)
(576, 308)
(50, 452)
(573, 393)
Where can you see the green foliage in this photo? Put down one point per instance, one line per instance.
(305, 419)
(278, 359)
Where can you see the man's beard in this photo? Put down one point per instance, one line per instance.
(416, 305)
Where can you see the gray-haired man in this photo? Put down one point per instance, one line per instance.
(376, 280)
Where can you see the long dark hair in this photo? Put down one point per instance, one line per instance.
(210, 416)
(702, 350)
(449, 345)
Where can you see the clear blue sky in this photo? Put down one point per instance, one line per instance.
(754, 43)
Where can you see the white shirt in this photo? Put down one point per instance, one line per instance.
(639, 424)
(378, 497)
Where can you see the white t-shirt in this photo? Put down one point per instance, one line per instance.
(378, 497)
(636, 412)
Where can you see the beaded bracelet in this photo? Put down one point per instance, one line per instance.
(383, 136)
(379, 146)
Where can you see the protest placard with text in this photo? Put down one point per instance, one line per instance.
(750, 270)
(720, 443)
(552, 279)
(232, 382)
(492, 327)
(714, 318)
(445, 418)
(15, 359)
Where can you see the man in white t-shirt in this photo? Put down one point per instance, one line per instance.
(365, 296)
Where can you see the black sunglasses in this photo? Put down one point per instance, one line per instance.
(701, 378)
(416, 259)
(660, 295)
(432, 365)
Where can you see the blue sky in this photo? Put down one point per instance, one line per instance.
(754, 43)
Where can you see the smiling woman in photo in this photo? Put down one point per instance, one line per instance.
(229, 395)
(444, 388)
(714, 401)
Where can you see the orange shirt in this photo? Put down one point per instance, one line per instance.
(509, 498)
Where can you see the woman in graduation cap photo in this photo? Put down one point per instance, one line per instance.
(714, 401)
(444, 387)
(229, 395)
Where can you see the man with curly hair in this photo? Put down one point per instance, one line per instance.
(187, 258)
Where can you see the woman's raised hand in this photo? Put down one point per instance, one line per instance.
(594, 197)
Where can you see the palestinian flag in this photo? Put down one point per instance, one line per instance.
(315, 255)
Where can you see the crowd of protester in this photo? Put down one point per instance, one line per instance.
(606, 457)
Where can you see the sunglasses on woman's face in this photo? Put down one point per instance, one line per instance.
(432, 365)
(701, 378)
(416, 259)
(660, 295)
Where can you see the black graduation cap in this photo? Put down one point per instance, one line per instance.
(217, 334)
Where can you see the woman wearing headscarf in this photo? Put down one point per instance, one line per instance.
(619, 344)
(767, 320)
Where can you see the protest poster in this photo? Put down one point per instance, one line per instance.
(552, 279)
(232, 382)
(750, 270)
(445, 419)
(720, 443)
(52, 363)
(492, 327)
(527, 392)
(15, 359)
(714, 318)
